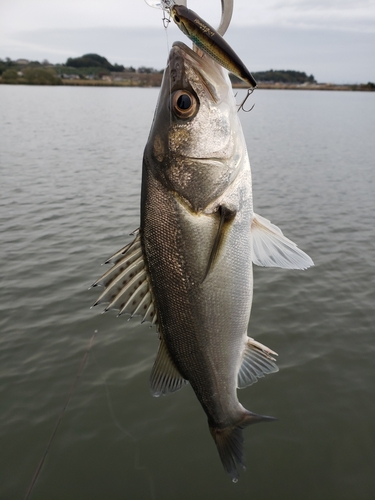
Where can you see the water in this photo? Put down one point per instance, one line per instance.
(70, 162)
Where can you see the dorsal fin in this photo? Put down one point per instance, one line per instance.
(127, 284)
(165, 377)
(257, 361)
(270, 248)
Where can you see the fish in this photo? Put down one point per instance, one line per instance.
(211, 42)
(188, 269)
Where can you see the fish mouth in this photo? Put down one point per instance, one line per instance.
(208, 71)
(187, 50)
(204, 61)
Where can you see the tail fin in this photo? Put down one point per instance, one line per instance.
(229, 442)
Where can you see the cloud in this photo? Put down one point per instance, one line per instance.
(128, 46)
(332, 39)
(348, 15)
(20, 15)
(340, 57)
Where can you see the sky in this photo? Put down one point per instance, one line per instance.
(332, 39)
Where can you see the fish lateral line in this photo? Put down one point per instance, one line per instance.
(188, 231)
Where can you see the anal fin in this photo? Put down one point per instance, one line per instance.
(270, 248)
(257, 361)
(165, 377)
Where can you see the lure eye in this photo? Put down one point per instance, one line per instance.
(175, 16)
(184, 104)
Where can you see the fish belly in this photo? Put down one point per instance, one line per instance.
(203, 319)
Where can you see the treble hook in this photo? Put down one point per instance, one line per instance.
(207, 39)
(249, 92)
(226, 11)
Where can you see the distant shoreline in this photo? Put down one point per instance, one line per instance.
(261, 86)
(94, 70)
(265, 85)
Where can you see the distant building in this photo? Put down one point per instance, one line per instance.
(70, 77)
(22, 61)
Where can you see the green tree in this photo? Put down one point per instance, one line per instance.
(9, 76)
(39, 76)
(93, 61)
(283, 76)
(7, 64)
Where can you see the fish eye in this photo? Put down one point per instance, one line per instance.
(184, 104)
(177, 19)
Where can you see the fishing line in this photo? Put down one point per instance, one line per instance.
(109, 400)
(166, 21)
(80, 370)
(137, 458)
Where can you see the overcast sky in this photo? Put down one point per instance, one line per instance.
(332, 39)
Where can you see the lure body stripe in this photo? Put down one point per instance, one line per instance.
(208, 39)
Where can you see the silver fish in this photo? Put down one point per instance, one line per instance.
(189, 268)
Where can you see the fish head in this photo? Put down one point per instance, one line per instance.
(193, 147)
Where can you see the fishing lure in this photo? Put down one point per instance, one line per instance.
(161, 4)
(209, 41)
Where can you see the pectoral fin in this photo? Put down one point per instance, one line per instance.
(257, 361)
(165, 377)
(226, 215)
(270, 248)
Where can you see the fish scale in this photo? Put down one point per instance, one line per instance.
(191, 261)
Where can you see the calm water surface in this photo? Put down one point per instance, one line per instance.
(70, 163)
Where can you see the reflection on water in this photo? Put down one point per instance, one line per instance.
(70, 161)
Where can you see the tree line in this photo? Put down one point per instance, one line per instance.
(96, 67)
(91, 66)
(279, 76)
